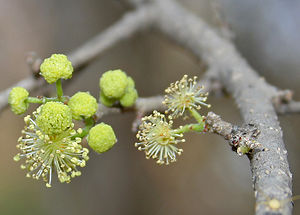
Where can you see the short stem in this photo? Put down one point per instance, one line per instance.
(196, 115)
(42, 100)
(34, 100)
(89, 123)
(190, 127)
(59, 89)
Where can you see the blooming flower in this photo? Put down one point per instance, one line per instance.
(46, 154)
(53, 117)
(184, 94)
(158, 139)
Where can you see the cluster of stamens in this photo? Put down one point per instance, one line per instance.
(158, 139)
(184, 94)
(45, 154)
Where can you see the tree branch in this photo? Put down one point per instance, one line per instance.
(121, 30)
(270, 169)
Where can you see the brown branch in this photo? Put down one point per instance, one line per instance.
(121, 30)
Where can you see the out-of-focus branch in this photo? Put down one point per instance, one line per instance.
(284, 103)
(288, 108)
(121, 30)
(141, 105)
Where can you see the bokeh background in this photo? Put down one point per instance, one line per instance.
(208, 178)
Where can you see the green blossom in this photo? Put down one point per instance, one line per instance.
(106, 101)
(17, 100)
(54, 118)
(101, 138)
(56, 67)
(46, 154)
(184, 95)
(158, 140)
(129, 97)
(130, 82)
(113, 83)
(82, 105)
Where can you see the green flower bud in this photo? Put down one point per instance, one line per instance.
(17, 100)
(129, 98)
(54, 118)
(56, 67)
(130, 82)
(106, 101)
(113, 83)
(101, 138)
(82, 105)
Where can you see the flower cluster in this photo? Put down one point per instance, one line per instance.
(49, 142)
(115, 86)
(157, 138)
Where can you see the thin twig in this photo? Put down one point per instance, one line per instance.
(288, 108)
(121, 30)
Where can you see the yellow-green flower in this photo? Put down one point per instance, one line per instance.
(54, 118)
(183, 95)
(113, 83)
(56, 67)
(46, 154)
(101, 138)
(106, 101)
(17, 100)
(158, 140)
(129, 97)
(82, 105)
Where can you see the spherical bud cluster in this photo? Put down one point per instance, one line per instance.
(157, 138)
(54, 118)
(82, 105)
(106, 101)
(183, 95)
(113, 83)
(17, 100)
(101, 138)
(116, 85)
(56, 67)
(129, 97)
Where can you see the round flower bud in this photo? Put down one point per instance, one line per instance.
(113, 83)
(130, 82)
(17, 100)
(54, 118)
(129, 98)
(106, 101)
(82, 105)
(56, 67)
(101, 138)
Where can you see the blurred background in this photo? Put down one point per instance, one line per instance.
(208, 178)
